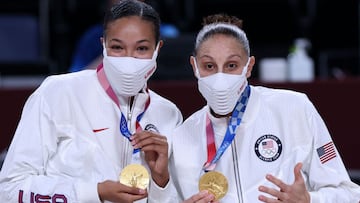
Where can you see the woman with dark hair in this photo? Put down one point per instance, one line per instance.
(97, 135)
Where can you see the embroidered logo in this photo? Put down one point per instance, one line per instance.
(151, 127)
(99, 130)
(326, 152)
(268, 148)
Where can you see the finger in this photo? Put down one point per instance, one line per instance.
(139, 141)
(263, 198)
(160, 146)
(131, 190)
(202, 197)
(271, 191)
(297, 173)
(139, 135)
(277, 182)
(152, 141)
(131, 197)
(160, 149)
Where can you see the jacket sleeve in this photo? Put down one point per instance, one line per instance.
(167, 194)
(162, 195)
(24, 177)
(328, 179)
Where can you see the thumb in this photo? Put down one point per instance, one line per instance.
(297, 172)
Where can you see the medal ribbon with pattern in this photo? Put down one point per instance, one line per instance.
(234, 122)
(109, 91)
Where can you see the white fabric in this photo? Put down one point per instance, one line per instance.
(55, 150)
(128, 75)
(222, 90)
(289, 116)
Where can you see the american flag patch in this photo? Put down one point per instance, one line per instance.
(326, 152)
(267, 144)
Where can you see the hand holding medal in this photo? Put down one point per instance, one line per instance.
(214, 182)
(135, 175)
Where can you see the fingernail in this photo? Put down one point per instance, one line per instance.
(204, 192)
(141, 191)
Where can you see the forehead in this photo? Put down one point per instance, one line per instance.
(131, 28)
(221, 44)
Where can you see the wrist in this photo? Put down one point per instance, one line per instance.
(99, 189)
(161, 180)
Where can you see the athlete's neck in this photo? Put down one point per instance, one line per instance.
(218, 115)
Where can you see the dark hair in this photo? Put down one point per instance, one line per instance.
(125, 8)
(222, 18)
(222, 24)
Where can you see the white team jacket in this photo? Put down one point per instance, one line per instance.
(68, 140)
(279, 129)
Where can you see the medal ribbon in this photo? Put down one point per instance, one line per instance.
(110, 92)
(234, 122)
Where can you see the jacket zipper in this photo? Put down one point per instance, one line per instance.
(130, 109)
(236, 172)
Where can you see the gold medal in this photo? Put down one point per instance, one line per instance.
(214, 182)
(135, 175)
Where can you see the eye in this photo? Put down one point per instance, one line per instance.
(116, 47)
(232, 66)
(142, 48)
(209, 66)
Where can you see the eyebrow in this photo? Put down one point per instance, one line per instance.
(206, 56)
(235, 55)
(116, 40)
(138, 42)
(231, 56)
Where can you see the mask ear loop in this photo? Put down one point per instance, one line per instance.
(245, 67)
(104, 49)
(155, 54)
(197, 74)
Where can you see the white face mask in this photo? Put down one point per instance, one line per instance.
(222, 90)
(128, 75)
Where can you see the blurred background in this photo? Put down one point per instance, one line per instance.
(40, 36)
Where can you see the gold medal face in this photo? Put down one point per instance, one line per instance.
(135, 175)
(214, 182)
